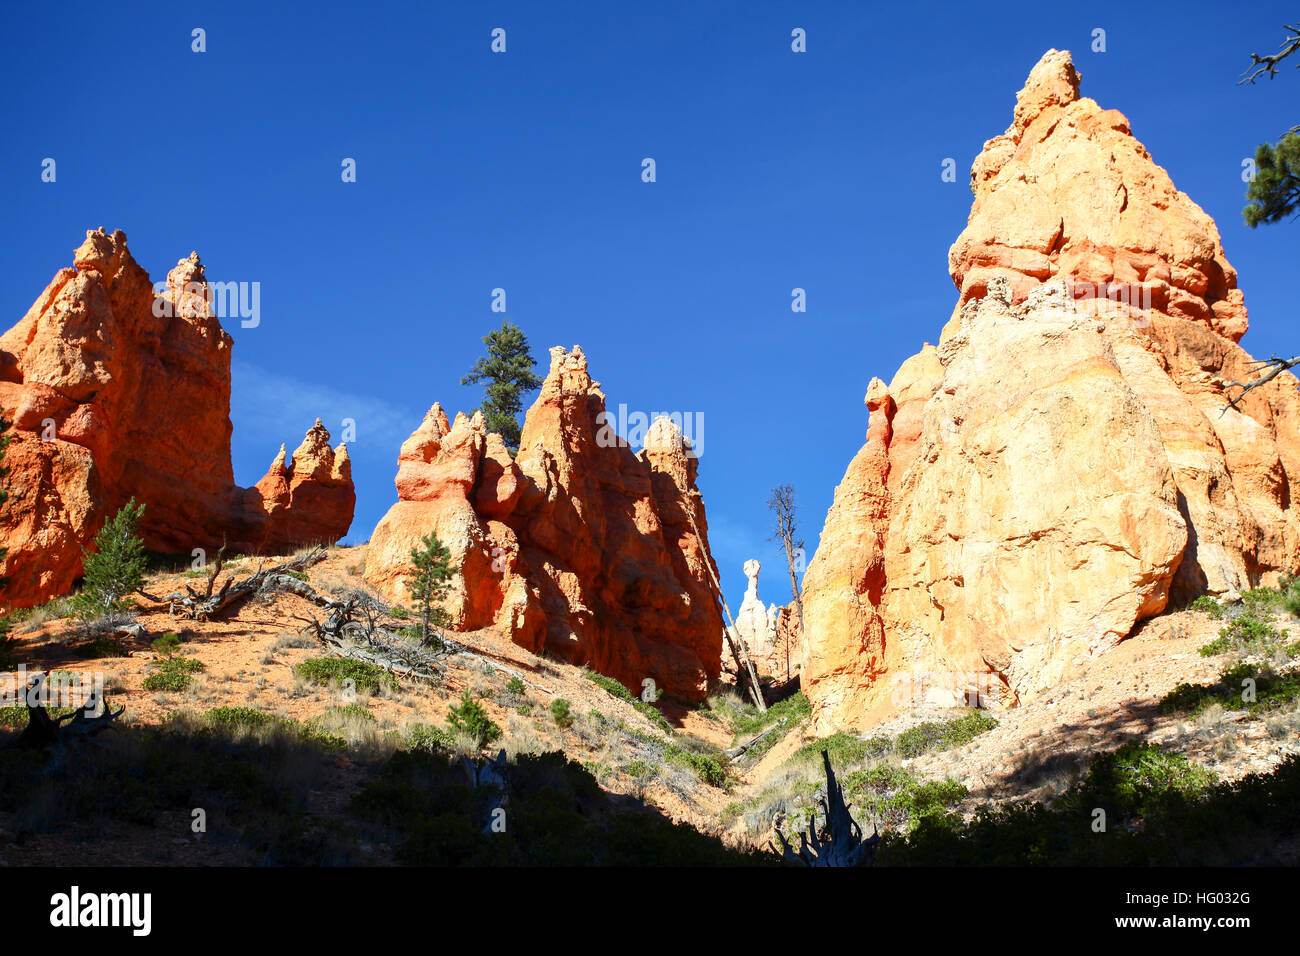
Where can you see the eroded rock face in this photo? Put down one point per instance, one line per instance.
(117, 393)
(1062, 464)
(579, 547)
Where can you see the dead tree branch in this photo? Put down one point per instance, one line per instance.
(741, 749)
(202, 606)
(43, 731)
(1275, 366)
(353, 629)
(734, 639)
(839, 842)
(1268, 64)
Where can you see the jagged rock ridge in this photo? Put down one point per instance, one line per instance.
(578, 547)
(117, 393)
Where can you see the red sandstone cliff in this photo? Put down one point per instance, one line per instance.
(578, 547)
(112, 398)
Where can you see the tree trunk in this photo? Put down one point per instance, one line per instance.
(733, 636)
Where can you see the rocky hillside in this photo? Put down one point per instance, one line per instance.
(298, 756)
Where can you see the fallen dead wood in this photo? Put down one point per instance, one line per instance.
(739, 750)
(201, 606)
(353, 629)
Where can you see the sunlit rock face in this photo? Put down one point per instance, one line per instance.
(578, 547)
(1062, 464)
(117, 392)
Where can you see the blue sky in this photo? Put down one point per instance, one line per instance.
(522, 171)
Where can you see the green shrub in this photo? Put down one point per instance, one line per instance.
(516, 687)
(1247, 634)
(1209, 606)
(794, 709)
(166, 645)
(1272, 690)
(560, 712)
(429, 737)
(641, 770)
(704, 766)
(172, 674)
(232, 717)
(471, 718)
(898, 800)
(116, 566)
(170, 681)
(610, 686)
(943, 736)
(365, 676)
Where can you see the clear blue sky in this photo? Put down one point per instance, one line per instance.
(523, 171)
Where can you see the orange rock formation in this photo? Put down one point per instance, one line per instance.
(578, 547)
(117, 393)
(1063, 462)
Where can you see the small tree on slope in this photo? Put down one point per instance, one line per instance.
(429, 583)
(116, 567)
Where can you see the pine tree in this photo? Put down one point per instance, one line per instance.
(1275, 190)
(508, 370)
(116, 567)
(429, 583)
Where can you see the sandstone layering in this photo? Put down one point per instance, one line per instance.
(1062, 464)
(578, 547)
(113, 398)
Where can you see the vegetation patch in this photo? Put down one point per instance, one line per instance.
(610, 686)
(896, 799)
(339, 671)
(1248, 634)
(470, 718)
(561, 713)
(172, 674)
(1135, 806)
(1255, 690)
(793, 709)
(1208, 606)
(557, 816)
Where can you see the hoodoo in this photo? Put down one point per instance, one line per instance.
(114, 395)
(1063, 463)
(579, 547)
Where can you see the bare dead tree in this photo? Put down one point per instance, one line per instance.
(1260, 65)
(355, 628)
(839, 842)
(781, 503)
(1270, 368)
(43, 731)
(735, 640)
